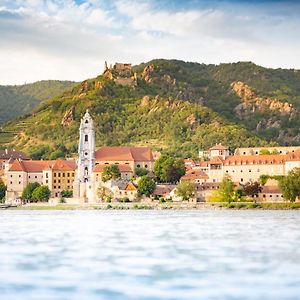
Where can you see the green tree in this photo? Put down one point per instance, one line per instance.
(141, 172)
(226, 190)
(110, 172)
(27, 192)
(146, 186)
(2, 191)
(169, 169)
(290, 185)
(41, 193)
(66, 194)
(185, 189)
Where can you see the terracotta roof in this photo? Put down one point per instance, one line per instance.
(122, 168)
(293, 156)
(32, 166)
(194, 174)
(64, 165)
(255, 159)
(6, 154)
(218, 147)
(124, 154)
(216, 161)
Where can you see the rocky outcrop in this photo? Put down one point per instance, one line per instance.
(252, 103)
(68, 117)
(146, 74)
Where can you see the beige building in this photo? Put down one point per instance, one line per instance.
(58, 175)
(218, 150)
(134, 157)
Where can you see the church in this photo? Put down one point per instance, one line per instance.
(91, 163)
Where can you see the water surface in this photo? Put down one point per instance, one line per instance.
(150, 255)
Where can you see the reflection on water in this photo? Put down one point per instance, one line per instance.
(150, 255)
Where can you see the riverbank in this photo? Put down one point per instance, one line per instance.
(160, 206)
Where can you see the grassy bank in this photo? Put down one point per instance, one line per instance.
(162, 206)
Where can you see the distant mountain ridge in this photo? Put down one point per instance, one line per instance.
(18, 100)
(174, 106)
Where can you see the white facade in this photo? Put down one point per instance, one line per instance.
(86, 158)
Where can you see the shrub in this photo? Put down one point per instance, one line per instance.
(66, 194)
(62, 200)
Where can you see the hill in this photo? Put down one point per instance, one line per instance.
(170, 105)
(21, 99)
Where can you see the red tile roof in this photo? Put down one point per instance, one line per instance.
(122, 168)
(194, 174)
(216, 161)
(124, 154)
(255, 159)
(33, 166)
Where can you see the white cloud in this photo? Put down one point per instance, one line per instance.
(70, 40)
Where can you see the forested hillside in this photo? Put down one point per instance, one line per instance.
(21, 99)
(172, 106)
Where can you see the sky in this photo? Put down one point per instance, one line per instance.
(71, 39)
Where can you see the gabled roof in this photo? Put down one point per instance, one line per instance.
(122, 168)
(124, 154)
(216, 161)
(218, 147)
(7, 153)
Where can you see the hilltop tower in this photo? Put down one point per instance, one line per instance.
(86, 156)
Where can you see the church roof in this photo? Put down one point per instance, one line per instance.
(122, 153)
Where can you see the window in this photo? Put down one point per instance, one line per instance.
(86, 121)
(47, 175)
(54, 174)
(11, 182)
(249, 170)
(63, 174)
(46, 181)
(86, 138)
(55, 186)
(19, 182)
(10, 176)
(19, 176)
(146, 166)
(242, 179)
(86, 154)
(54, 180)
(58, 174)
(35, 177)
(68, 174)
(58, 180)
(138, 166)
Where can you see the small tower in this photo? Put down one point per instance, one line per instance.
(86, 156)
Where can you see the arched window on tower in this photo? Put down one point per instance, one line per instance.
(86, 121)
(86, 138)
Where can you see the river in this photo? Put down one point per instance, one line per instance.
(150, 255)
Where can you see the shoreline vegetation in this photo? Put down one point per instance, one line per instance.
(161, 206)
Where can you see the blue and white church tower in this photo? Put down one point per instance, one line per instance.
(86, 158)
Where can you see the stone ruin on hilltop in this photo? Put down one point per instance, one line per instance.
(121, 74)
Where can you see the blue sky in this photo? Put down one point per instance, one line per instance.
(56, 39)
